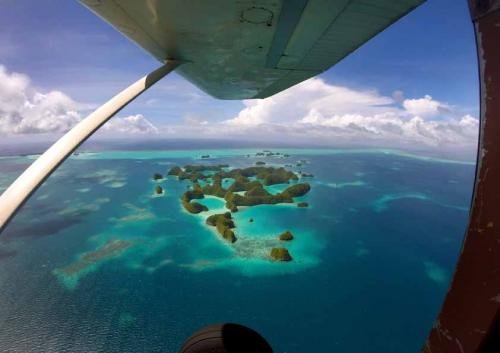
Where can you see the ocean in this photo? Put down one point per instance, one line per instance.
(95, 262)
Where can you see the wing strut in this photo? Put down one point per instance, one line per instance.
(26, 184)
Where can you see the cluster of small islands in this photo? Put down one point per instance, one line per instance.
(247, 189)
(238, 188)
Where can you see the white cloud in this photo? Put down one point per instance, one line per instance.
(394, 129)
(24, 110)
(314, 94)
(310, 112)
(133, 124)
(425, 107)
(315, 111)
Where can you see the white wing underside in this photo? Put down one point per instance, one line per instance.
(250, 49)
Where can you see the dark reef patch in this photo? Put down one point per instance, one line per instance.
(109, 250)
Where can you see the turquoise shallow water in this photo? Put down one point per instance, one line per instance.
(373, 254)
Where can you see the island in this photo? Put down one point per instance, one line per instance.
(194, 207)
(255, 194)
(175, 171)
(239, 188)
(286, 236)
(280, 254)
(302, 204)
(158, 190)
(224, 224)
(157, 176)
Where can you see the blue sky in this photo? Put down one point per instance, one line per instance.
(59, 45)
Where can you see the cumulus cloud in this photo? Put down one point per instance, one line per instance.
(425, 107)
(313, 111)
(24, 110)
(316, 111)
(133, 124)
(311, 95)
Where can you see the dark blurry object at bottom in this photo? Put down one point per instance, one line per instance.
(226, 338)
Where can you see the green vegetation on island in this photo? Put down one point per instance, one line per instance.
(224, 224)
(286, 236)
(157, 176)
(175, 171)
(214, 189)
(244, 200)
(298, 190)
(203, 168)
(258, 195)
(193, 207)
(280, 254)
(242, 187)
(195, 193)
(195, 172)
(266, 175)
(158, 190)
(194, 177)
(302, 204)
(254, 191)
(278, 176)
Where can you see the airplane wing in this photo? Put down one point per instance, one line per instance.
(250, 48)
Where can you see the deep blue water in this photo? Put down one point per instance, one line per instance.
(373, 255)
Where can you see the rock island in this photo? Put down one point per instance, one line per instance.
(239, 187)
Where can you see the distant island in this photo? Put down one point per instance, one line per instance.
(248, 188)
(158, 190)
